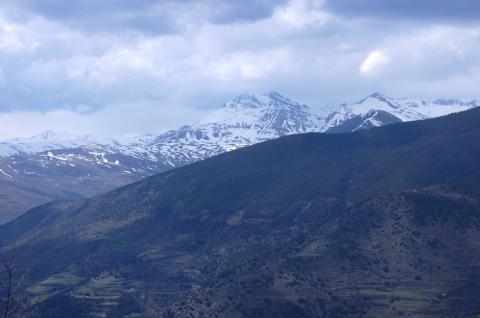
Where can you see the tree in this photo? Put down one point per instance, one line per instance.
(13, 276)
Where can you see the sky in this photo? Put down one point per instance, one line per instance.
(122, 67)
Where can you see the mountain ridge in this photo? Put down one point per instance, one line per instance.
(406, 109)
(27, 180)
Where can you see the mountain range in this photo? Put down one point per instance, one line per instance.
(52, 166)
(381, 222)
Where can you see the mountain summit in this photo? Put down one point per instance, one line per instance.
(379, 110)
(246, 120)
(267, 115)
(44, 141)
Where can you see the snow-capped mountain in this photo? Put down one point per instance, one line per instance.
(44, 141)
(253, 118)
(52, 166)
(263, 116)
(378, 110)
(246, 120)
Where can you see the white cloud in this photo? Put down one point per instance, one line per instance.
(250, 65)
(374, 64)
(53, 73)
(300, 13)
(434, 53)
(15, 37)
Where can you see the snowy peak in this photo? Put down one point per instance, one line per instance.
(48, 135)
(248, 107)
(375, 101)
(55, 138)
(379, 109)
(245, 120)
(377, 97)
(269, 114)
(47, 140)
(267, 102)
(260, 100)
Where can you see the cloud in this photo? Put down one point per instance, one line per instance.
(86, 56)
(250, 65)
(459, 11)
(374, 64)
(231, 11)
(68, 69)
(145, 16)
(300, 13)
(432, 54)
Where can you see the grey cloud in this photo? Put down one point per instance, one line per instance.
(230, 11)
(145, 16)
(316, 63)
(458, 11)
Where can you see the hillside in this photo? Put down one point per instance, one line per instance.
(310, 225)
(396, 254)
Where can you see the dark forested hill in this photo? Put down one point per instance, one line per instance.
(375, 223)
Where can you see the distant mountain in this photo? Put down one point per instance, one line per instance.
(379, 110)
(54, 166)
(47, 140)
(30, 178)
(376, 223)
(244, 121)
(65, 174)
